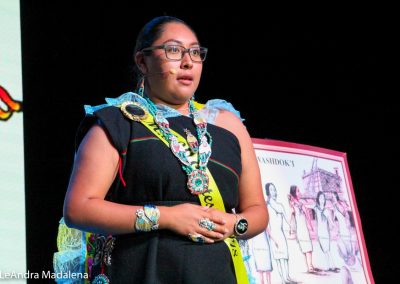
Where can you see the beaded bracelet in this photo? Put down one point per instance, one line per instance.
(147, 218)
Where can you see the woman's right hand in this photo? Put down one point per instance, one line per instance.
(184, 219)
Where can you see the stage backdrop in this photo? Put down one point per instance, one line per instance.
(314, 234)
(12, 188)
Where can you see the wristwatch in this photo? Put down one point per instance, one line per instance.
(241, 225)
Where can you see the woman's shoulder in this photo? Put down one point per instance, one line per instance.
(113, 104)
(222, 114)
(277, 207)
(109, 116)
(215, 107)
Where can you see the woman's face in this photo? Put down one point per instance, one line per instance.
(297, 192)
(272, 191)
(173, 82)
(321, 200)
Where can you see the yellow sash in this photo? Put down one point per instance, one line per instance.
(211, 198)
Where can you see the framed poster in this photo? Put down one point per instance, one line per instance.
(314, 233)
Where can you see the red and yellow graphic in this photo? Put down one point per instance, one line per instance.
(12, 105)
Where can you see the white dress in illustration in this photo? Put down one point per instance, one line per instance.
(301, 217)
(344, 242)
(262, 256)
(279, 245)
(324, 225)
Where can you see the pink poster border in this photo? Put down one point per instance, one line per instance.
(313, 151)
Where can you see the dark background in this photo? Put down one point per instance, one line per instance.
(307, 77)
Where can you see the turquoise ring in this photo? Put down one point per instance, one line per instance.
(207, 224)
(197, 238)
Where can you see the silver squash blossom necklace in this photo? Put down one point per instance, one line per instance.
(197, 182)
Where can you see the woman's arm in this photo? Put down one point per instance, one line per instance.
(95, 167)
(284, 215)
(251, 200)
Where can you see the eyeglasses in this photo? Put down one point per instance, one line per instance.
(176, 52)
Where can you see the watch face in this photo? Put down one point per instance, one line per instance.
(241, 226)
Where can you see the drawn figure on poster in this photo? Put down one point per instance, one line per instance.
(346, 276)
(344, 241)
(324, 227)
(247, 258)
(277, 216)
(320, 240)
(302, 219)
(262, 256)
(12, 105)
(353, 237)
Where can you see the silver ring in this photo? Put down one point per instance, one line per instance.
(207, 224)
(197, 238)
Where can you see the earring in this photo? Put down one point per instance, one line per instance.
(141, 87)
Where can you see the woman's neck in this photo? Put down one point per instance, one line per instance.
(181, 108)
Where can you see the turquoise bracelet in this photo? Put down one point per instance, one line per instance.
(147, 218)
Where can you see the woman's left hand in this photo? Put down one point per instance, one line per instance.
(228, 218)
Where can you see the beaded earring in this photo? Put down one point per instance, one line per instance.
(140, 89)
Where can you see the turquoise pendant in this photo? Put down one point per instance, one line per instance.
(197, 182)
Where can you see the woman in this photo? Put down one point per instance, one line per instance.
(344, 240)
(145, 168)
(324, 227)
(262, 256)
(275, 229)
(302, 219)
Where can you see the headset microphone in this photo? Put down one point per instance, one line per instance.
(171, 71)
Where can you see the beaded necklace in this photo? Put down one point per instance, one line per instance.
(201, 146)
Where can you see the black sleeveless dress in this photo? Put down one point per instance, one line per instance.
(153, 175)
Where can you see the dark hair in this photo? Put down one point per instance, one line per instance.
(351, 218)
(267, 191)
(336, 196)
(149, 34)
(293, 191)
(318, 195)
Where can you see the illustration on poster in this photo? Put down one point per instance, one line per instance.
(10, 104)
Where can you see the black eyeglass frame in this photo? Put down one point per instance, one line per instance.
(185, 50)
